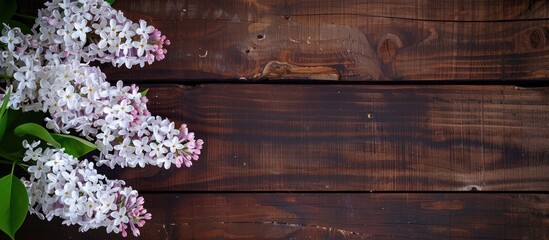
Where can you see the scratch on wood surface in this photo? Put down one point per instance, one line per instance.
(452, 205)
(169, 233)
(204, 55)
(166, 231)
(297, 225)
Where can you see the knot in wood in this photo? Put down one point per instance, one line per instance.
(387, 47)
(537, 38)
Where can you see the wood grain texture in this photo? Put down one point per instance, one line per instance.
(346, 40)
(356, 137)
(288, 161)
(330, 216)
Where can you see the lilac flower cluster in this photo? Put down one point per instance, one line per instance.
(92, 30)
(49, 72)
(78, 97)
(71, 189)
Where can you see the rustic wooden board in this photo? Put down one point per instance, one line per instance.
(298, 161)
(263, 137)
(346, 40)
(329, 216)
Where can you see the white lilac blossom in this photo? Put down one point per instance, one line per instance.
(78, 97)
(10, 40)
(49, 71)
(91, 30)
(63, 186)
(125, 131)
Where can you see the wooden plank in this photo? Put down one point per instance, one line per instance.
(431, 10)
(263, 137)
(329, 216)
(346, 40)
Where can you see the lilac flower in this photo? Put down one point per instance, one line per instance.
(144, 30)
(10, 39)
(91, 30)
(49, 76)
(71, 92)
(142, 46)
(81, 28)
(79, 195)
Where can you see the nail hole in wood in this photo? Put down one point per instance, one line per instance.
(472, 188)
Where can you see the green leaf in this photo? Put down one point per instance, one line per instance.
(5, 102)
(24, 27)
(7, 10)
(14, 204)
(74, 146)
(36, 130)
(4, 113)
(144, 93)
(16, 118)
(13, 156)
(110, 1)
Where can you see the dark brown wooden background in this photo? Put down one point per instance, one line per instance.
(345, 119)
